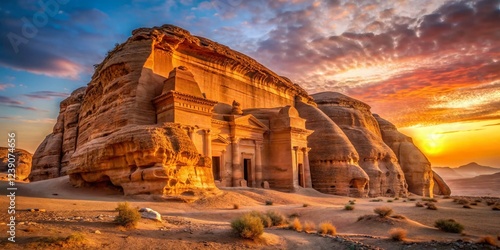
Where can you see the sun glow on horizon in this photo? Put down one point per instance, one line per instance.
(458, 143)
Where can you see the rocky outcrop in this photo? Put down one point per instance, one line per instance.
(52, 156)
(143, 159)
(440, 186)
(376, 158)
(415, 165)
(22, 162)
(333, 159)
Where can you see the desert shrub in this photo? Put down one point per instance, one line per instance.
(463, 202)
(398, 216)
(294, 215)
(305, 205)
(419, 204)
(398, 234)
(296, 225)
(489, 203)
(349, 207)
(389, 200)
(327, 228)
(412, 199)
(309, 226)
(75, 238)
(383, 211)
(376, 200)
(450, 226)
(353, 202)
(478, 200)
(269, 203)
(266, 221)
(466, 206)
(248, 226)
(127, 216)
(487, 240)
(236, 206)
(277, 218)
(473, 203)
(431, 206)
(396, 199)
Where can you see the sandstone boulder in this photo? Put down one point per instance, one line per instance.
(144, 159)
(23, 162)
(376, 158)
(440, 186)
(149, 213)
(333, 159)
(415, 165)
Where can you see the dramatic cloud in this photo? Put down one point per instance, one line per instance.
(47, 95)
(10, 102)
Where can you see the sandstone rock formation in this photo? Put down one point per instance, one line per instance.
(415, 165)
(376, 158)
(23, 162)
(143, 159)
(52, 156)
(440, 186)
(165, 105)
(333, 159)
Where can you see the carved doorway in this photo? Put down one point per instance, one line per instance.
(216, 167)
(301, 175)
(247, 170)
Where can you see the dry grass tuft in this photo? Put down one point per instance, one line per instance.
(398, 234)
(327, 228)
(309, 226)
(349, 207)
(450, 226)
(277, 218)
(296, 225)
(431, 206)
(419, 204)
(383, 211)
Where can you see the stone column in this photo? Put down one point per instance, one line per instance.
(207, 144)
(236, 162)
(190, 131)
(258, 164)
(307, 168)
(295, 166)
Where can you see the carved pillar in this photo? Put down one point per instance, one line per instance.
(295, 167)
(307, 168)
(190, 131)
(258, 164)
(236, 162)
(207, 144)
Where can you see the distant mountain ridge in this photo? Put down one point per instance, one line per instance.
(470, 170)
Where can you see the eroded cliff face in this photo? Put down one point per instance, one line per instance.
(52, 156)
(144, 159)
(333, 159)
(415, 165)
(375, 157)
(22, 162)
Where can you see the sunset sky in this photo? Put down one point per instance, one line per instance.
(430, 67)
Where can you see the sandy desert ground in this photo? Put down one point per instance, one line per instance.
(88, 213)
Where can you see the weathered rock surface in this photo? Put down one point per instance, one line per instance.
(22, 162)
(108, 131)
(376, 158)
(52, 156)
(144, 159)
(149, 213)
(333, 159)
(415, 165)
(440, 186)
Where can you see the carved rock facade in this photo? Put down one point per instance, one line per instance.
(170, 113)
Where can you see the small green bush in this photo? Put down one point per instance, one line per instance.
(349, 207)
(127, 216)
(389, 200)
(450, 226)
(277, 218)
(248, 226)
(383, 211)
(266, 221)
